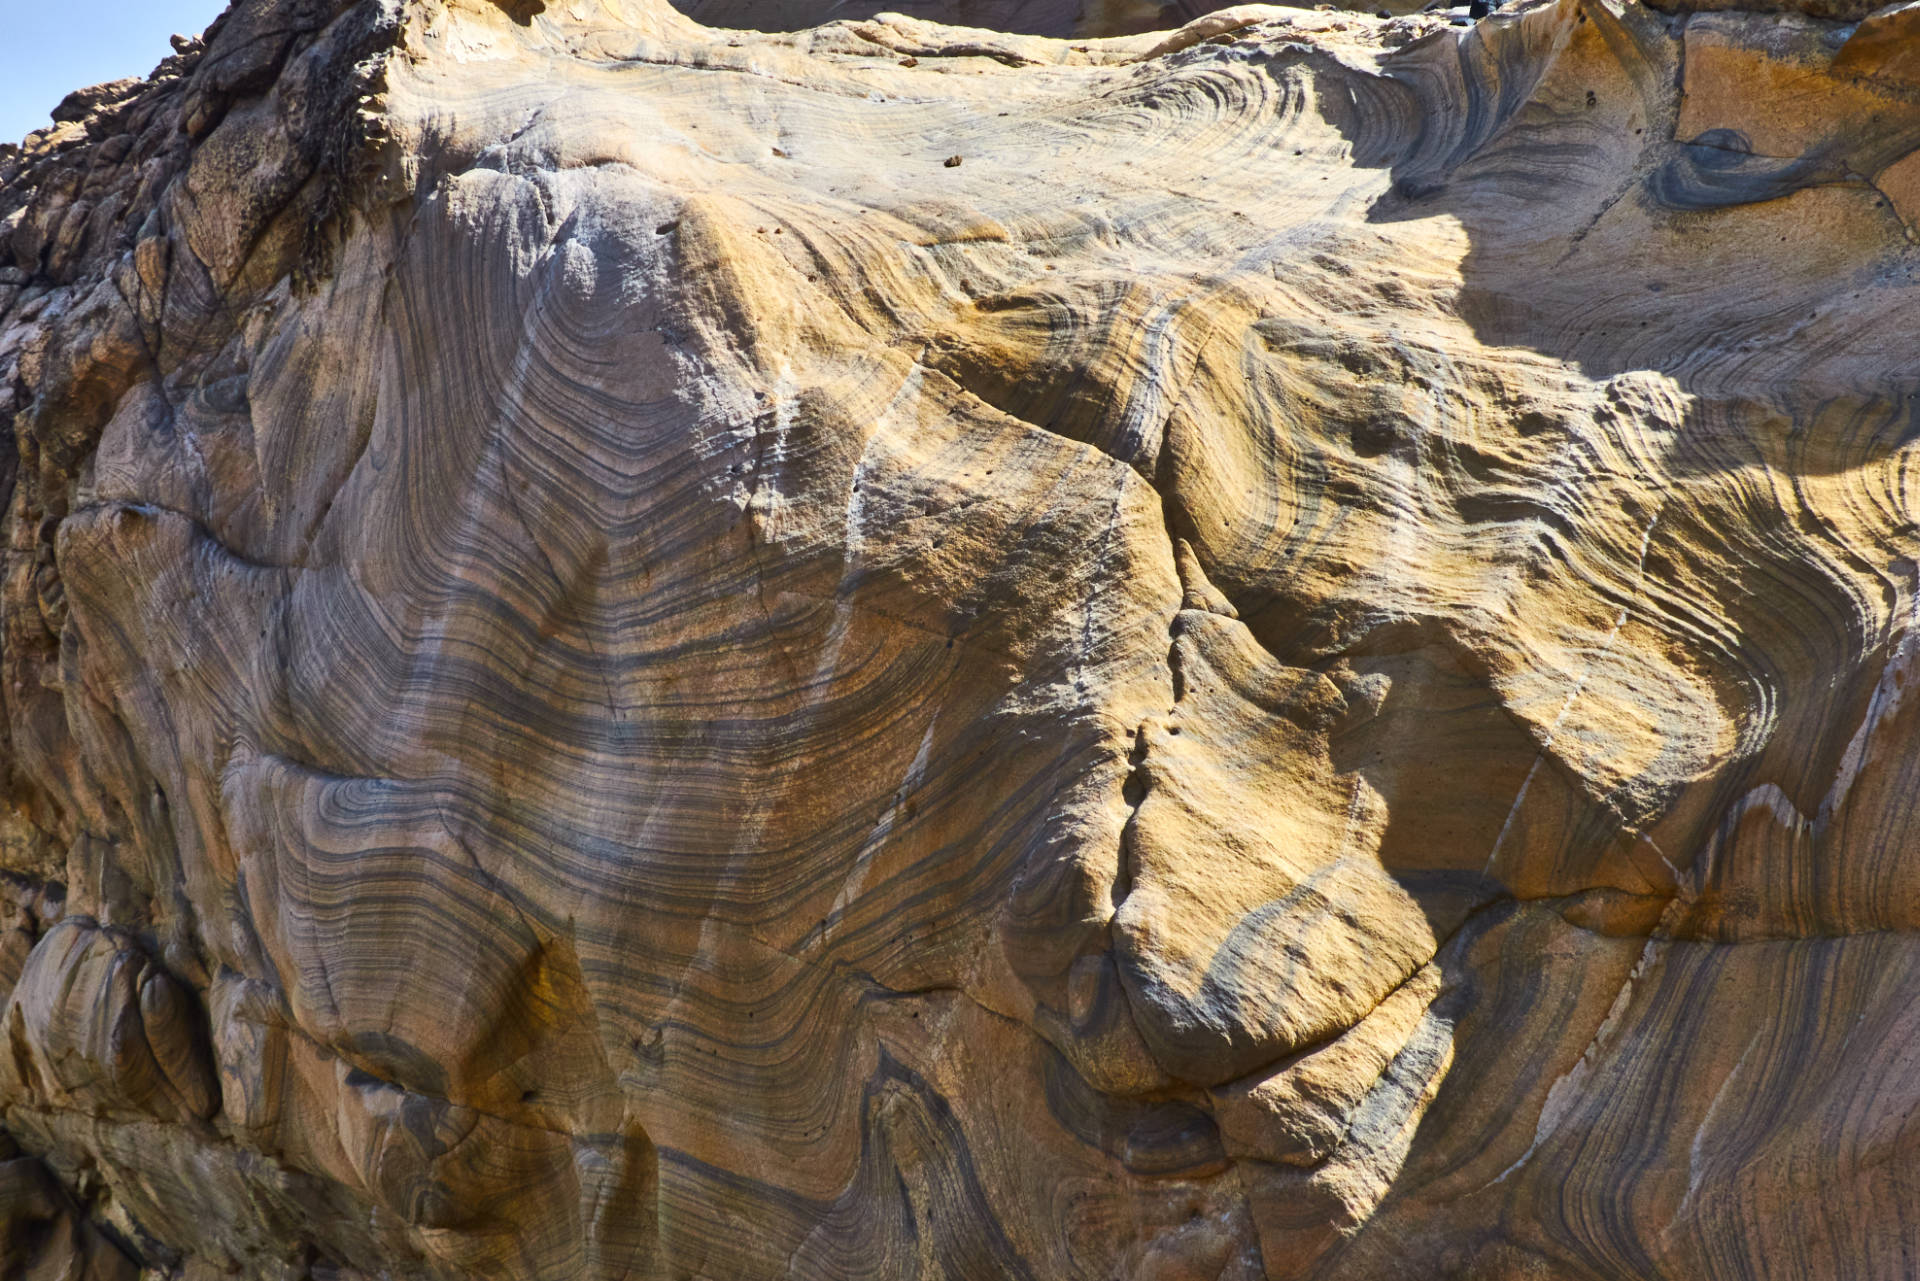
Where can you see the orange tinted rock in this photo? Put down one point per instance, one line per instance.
(612, 668)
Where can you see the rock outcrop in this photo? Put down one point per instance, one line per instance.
(1272, 650)
(1078, 18)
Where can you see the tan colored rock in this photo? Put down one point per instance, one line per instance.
(1199, 19)
(1298, 668)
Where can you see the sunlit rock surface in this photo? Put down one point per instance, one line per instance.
(1029, 17)
(1276, 650)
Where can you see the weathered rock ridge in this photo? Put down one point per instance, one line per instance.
(1276, 650)
(1027, 17)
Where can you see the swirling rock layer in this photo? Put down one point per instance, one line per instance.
(1270, 650)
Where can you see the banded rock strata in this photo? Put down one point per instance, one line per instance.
(1276, 650)
(1078, 18)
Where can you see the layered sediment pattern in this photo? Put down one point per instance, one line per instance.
(1274, 650)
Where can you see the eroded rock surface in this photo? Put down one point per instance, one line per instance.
(1273, 650)
(1028, 17)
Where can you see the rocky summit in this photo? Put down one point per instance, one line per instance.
(1268, 649)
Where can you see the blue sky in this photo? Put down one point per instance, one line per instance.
(51, 48)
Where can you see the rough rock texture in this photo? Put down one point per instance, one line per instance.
(1029, 17)
(1277, 650)
(1078, 18)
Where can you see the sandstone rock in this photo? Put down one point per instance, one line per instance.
(1299, 668)
(1058, 18)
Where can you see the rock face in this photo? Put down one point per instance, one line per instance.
(1276, 650)
(1028, 17)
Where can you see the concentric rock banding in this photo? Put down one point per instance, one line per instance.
(1297, 668)
(1057, 18)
